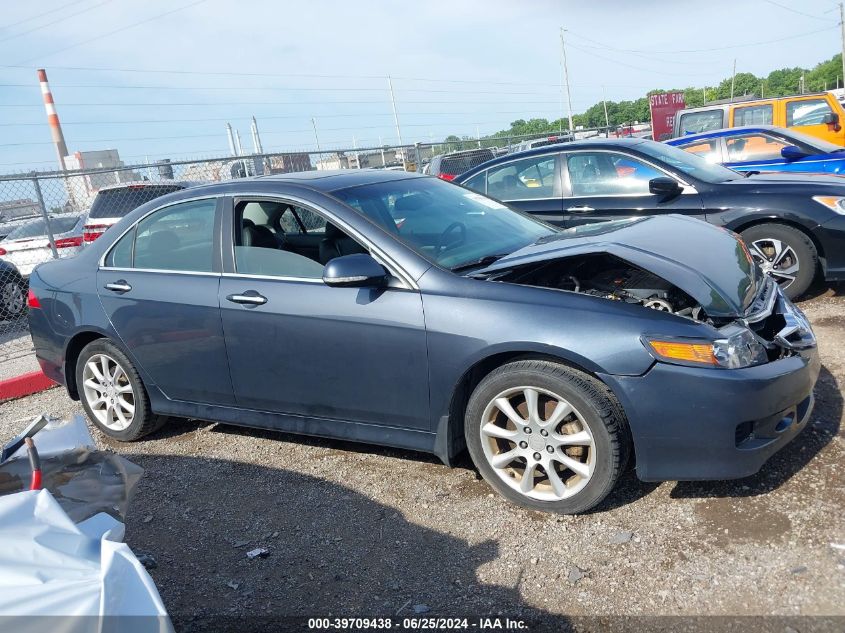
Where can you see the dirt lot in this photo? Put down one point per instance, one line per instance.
(364, 530)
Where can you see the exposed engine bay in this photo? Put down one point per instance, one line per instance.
(608, 277)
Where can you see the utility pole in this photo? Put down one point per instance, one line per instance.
(733, 80)
(704, 94)
(842, 26)
(604, 103)
(316, 137)
(393, 105)
(566, 80)
(761, 90)
(477, 135)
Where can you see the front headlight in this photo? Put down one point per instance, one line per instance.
(834, 203)
(736, 348)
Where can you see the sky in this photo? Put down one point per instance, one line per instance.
(161, 78)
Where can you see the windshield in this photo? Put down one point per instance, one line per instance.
(687, 163)
(805, 141)
(36, 228)
(446, 224)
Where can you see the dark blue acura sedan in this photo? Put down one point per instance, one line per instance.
(402, 310)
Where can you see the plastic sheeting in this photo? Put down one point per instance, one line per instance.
(84, 480)
(63, 565)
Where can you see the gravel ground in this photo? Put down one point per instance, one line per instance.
(355, 529)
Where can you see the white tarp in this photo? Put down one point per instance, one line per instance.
(50, 566)
(66, 577)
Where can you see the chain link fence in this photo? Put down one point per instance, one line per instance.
(50, 215)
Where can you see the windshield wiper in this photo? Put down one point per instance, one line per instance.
(481, 261)
(751, 172)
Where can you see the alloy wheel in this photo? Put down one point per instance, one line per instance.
(108, 392)
(777, 259)
(12, 298)
(538, 443)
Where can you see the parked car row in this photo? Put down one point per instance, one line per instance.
(793, 225)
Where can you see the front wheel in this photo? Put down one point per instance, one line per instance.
(785, 254)
(112, 393)
(546, 436)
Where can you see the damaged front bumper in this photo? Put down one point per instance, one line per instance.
(725, 423)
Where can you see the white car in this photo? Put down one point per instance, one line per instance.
(28, 245)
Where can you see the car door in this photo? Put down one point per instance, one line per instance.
(532, 185)
(610, 184)
(158, 286)
(815, 116)
(297, 346)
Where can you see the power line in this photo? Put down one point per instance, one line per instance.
(294, 75)
(783, 6)
(706, 50)
(44, 26)
(40, 15)
(650, 70)
(121, 29)
(261, 103)
(263, 118)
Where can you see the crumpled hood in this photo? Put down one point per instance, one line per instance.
(709, 263)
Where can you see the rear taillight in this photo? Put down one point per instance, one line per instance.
(67, 242)
(3, 251)
(447, 176)
(32, 301)
(92, 231)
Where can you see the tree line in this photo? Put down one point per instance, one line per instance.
(778, 83)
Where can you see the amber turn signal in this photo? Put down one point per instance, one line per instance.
(685, 352)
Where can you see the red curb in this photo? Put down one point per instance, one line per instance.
(24, 385)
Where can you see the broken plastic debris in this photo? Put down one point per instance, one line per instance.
(258, 552)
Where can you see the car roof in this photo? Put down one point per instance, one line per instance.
(589, 143)
(134, 184)
(729, 131)
(325, 180)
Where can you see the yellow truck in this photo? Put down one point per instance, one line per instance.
(818, 114)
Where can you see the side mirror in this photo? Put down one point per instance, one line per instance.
(832, 118)
(790, 152)
(354, 271)
(664, 186)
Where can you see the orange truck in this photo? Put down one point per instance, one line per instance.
(818, 114)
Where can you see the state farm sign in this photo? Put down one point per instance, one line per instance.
(663, 108)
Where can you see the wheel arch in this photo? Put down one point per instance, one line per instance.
(449, 439)
(73, 348)
(739, 228)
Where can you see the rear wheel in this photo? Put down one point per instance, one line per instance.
(546, 436)
(785, 254)
(112, 393)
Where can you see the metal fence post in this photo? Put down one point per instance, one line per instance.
(418, 157)
(37, 184)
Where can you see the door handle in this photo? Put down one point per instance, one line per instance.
(250, 297)
(119, 286)
(581, 209)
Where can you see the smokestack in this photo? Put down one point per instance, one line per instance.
(53, 118)
(256, 139)
(231, 139)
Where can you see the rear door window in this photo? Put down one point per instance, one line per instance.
(179, 238)
(754, 115)
(115, 203)
(709, 149)
(526, 179)
(697, 122)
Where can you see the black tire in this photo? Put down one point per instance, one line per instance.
(594, 403)
(801, 245)
(144, 420)
(12, 297)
